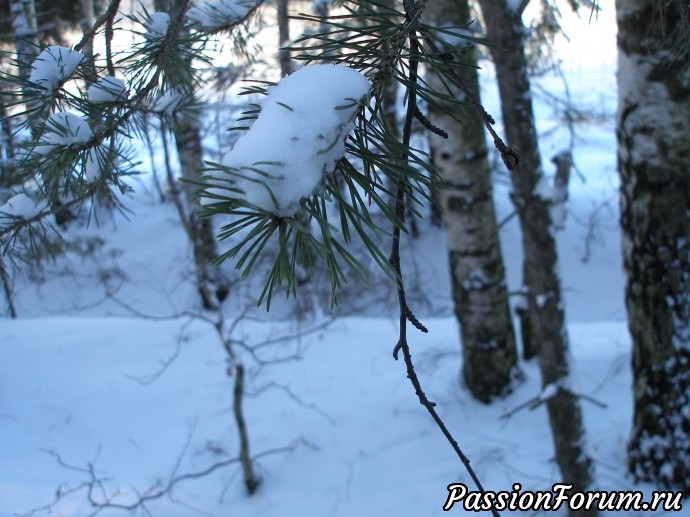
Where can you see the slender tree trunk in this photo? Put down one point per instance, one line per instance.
(477, 272)
(7, 144)
(284, 37)
(211, 285)
(547, 319)
(25, 32)
(26, 44)
(653, 161)
(88, 20)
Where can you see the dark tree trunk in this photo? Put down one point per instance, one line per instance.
(653, 161)
(547, 319)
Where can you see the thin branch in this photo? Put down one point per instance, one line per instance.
(540, 399)
(251, 481)
(7, 285)
(405, 313)
(112, 10)
(99, 500)
(109, 14)
(510, 158)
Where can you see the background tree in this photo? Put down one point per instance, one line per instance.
(185, 125)
(284, 36)
(531, 197)
(477, 272)
(653, 161)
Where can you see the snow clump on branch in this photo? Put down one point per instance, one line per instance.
(53, 66)
(218, 14)
(298, 137)
(20, 206)
(156, 26)
(108, 89)
(65, 129)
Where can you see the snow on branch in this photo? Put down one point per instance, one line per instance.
(216, 15)
(53, 66)
(108, 89)
(298, 137)
(156, 25)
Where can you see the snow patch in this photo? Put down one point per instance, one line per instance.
(21, 206)
(168, 103)
(457, 36)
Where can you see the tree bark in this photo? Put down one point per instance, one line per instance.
(88, 20)
(477, 271)
(27, 46)
(284, 37)
(25, 32)
(211, 285)
(547, 318)
(653, 161)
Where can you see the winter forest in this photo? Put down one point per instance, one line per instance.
(344, 257)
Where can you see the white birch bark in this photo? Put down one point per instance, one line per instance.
(477, 271)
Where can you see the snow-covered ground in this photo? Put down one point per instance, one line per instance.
(105, 374)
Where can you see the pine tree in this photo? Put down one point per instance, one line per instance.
(653, 161)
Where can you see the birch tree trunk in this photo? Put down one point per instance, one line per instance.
(26, 44)
(477, 272)
(25, 33)
(546, 314)
(654, 164)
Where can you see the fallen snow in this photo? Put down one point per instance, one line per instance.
(53, 66)
(298, 136)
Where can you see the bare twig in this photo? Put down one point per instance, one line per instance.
(540, 399)
(100, 500)
(294, 398)
(406, 314)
